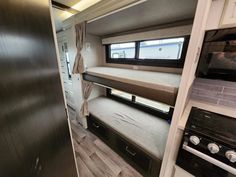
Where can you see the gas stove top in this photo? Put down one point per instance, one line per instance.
(209, 139)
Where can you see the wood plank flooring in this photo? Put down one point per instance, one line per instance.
(95, 158)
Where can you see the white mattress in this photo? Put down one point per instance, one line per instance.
(157, 80)
(147, 131)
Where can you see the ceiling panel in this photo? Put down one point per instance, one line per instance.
(149, 13)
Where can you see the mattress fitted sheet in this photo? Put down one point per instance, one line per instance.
(167, 82)
(147, 131)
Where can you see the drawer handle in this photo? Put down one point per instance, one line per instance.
(95, 125)
(129, 151)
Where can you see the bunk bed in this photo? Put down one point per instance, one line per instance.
(136, 133)
(158, 86)
(137, 136)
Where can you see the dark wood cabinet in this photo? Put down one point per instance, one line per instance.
(34, 133)
(135, 156)
(98, 128)
(132, 153)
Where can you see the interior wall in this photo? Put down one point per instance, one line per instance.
(92, 51)
(69, 35)
(67, 82)
(144, 68)
(93, 54)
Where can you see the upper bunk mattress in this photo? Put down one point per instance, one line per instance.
(158, 86)
(145, 130)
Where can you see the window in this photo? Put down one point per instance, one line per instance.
(149, 106)
(154, 104)
(121, 94)
(161, 49)
(124, 50)
(169, 52)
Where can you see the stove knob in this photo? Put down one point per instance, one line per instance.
(194, 139)
(213, 148)
(231, 155)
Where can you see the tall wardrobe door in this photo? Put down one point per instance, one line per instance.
(34, 133)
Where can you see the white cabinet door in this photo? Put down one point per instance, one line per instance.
(179, 172)
(228, 18)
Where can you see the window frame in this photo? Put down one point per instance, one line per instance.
(172, 63)
(148, 109)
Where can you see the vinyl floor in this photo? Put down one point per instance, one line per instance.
(95, 158)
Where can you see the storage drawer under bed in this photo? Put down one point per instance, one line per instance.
(98, 128)
(132, 153)
(135, 156)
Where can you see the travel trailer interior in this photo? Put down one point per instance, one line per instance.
(106, 88)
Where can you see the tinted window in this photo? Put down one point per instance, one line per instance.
(146, 102)
(170, 49)
(156, 105)
(169, 52)
(123, 50)
(121, 94)
(152, 107)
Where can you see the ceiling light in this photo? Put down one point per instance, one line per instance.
(84, 4)
(66, 15)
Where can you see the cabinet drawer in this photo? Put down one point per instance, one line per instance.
(132, 153)
(98, 128)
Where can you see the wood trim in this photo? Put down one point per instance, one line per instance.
(150, 93)
(192, 57)
(228, 18)
(62, 83)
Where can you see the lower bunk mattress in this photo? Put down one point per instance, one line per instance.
(142, 129)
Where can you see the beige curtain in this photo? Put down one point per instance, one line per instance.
(80, 30)
(87, 89)
(79, 68)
